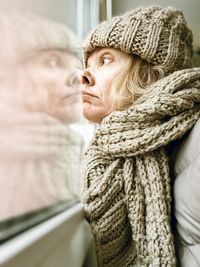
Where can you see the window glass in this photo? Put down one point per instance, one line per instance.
(43, 133)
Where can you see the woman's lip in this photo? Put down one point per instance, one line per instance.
(84, 93)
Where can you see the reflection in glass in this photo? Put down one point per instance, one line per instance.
(39, 100)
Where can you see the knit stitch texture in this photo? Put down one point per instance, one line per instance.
(159, 36)
(127, 196)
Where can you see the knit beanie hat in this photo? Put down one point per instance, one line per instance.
(158, 35)
(21, 34)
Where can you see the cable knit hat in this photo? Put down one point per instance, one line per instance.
(158, 35)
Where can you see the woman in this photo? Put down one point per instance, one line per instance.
(139, 86)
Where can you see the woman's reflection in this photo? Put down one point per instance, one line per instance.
(39, 98)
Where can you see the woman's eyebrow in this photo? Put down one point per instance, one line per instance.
(98, 53)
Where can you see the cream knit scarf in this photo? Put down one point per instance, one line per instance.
(127, 186)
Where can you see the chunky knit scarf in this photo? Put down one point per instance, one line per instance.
(127, 186)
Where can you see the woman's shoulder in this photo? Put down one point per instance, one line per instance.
(187, 192)
(188, 149)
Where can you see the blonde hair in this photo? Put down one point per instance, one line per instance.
(134, 81)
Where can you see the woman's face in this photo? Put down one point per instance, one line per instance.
(48, 81)
(103, 66)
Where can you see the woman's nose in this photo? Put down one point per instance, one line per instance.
(87, 78)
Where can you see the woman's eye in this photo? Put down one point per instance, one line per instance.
(105, 60)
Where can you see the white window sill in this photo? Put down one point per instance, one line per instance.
(61, 241)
